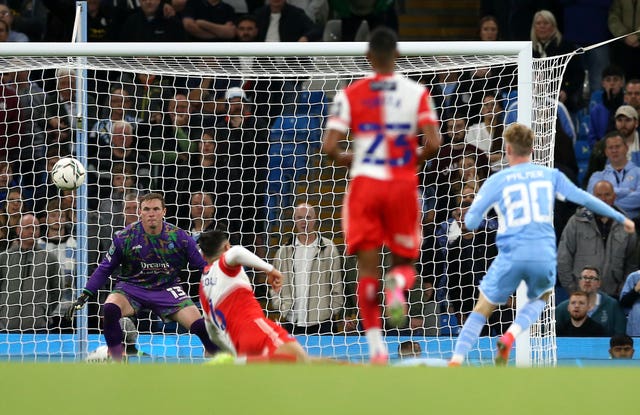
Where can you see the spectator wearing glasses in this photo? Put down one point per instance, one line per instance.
(595, 240)
(621, 347)
(7, 17)
(602, 308)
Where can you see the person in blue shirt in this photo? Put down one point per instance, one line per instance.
(523, 198)
(623, 174)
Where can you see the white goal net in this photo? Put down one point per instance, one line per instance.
(231, 135)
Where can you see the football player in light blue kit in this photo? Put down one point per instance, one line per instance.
(523, 196)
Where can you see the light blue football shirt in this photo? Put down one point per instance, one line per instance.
(523, 196)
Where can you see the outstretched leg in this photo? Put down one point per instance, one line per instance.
(471, 330)
(526, 316)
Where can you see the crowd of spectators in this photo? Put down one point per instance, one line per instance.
(217, 149)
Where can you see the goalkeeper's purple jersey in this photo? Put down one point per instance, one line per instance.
(148, 261)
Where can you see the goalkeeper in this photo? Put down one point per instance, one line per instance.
(151, 253)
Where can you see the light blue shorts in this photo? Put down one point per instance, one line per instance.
(504, 276)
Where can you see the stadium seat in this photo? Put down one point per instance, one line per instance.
(582, 150)
(583, 166)
(290, 138)
(448, 325)
(582, 121)
(312, 103)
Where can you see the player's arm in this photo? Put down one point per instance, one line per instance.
(567, 190)
(628, 199)
(282, 300)
(431, 143)
(482, 203)
(195, 259)
(240, 256)
(331, 147)
(429, 125)
(337, 128)
(111, 261)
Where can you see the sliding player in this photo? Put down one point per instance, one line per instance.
(235, 320)
(384, 113)
(151, 254)
(523, 196)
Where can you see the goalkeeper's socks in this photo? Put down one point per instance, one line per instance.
(112, 331)
(526, 316)
(468, 336)
(367, 293)
(199, 328)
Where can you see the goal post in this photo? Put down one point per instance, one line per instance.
(183, 142)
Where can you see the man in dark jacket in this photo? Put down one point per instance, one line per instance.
(293, 24)
(149, 24)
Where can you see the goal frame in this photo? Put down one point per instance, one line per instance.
(76, 52)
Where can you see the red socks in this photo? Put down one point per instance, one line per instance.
(368, 303)
(406, 273)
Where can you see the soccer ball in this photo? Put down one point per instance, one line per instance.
(68, 173)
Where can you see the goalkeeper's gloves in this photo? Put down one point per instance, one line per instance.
(78, 304)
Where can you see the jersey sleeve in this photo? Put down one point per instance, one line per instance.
(238, 255)
(426, 110)
(565, 190)
(231, 270)
(340, 113)
(483, 201)
(194, 257)
(111, 261)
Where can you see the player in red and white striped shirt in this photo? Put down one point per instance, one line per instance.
(383, 115)
(234, 319)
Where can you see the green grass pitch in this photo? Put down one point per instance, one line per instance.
(77, 388)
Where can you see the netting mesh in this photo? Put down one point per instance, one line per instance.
(234, 143)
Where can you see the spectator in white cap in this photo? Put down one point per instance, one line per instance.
(235, 92)
(627, 124)
(236, 98)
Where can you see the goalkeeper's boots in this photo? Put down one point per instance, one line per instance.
(395, 303)
(505, 343)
